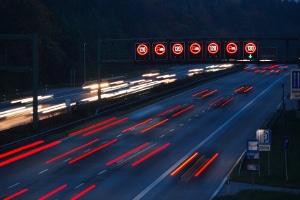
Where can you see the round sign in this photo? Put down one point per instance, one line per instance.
(231, 48)
(177, 48)
(195, 48)
(142, 49)
(213, 48)
(159, 49)
(250, 47)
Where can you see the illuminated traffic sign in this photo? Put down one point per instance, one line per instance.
(250, 50)
(177, 50)
(213, 50)
(160, 51)
(195, 51)
(231, 50)
(142, 51)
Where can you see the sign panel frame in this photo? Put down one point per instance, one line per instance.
(295, 84)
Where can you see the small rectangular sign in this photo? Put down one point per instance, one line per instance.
(264, 147)
(252, 167)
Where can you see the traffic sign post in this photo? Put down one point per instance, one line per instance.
(159, 51)
(195, 51)
(231, 51)
(295, 84)
(250, 51)
(213, 50)
(285, 145)
(177, 51)
(142, 52)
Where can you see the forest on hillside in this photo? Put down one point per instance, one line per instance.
(63, 26)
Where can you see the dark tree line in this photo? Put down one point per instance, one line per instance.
(64, 25)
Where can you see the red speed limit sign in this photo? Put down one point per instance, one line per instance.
(142, 49)
(213, 48)
(250, 47)
(177, 48)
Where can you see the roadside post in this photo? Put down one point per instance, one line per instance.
(285, 145)
(252, 153)
(264, 137)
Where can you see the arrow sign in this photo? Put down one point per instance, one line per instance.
(295, 84)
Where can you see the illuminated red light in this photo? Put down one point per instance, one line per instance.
(71, 151)
(209, 93)
(92, 151)
(21, 148)
(168, 111)
(29, 153)
(154, 125)
(239, 89)
(126, 154)
(53, 192)
(195, 48)
(185, 163)
(182, 111)
(160, 49)
(231, 48)
(199, 93)
(250, 47)
(177, 48)
(83, 192)
(105, 126)
(137, 125)
(206, 165)
(150, 154)
(142, 49)
(213, 48)
(227, 101)
(92, 126)
(216, 101)
(16, 194)
(248, 89)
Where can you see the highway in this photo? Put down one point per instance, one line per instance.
(136, 156)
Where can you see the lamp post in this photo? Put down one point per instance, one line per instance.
(84, 63)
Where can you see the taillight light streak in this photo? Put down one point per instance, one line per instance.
(71, 151)
(92, 126)
(16, 194)
(29, 153)
(137, 125)
(92, 151)
(105, 126)
(227, 101)
(239, 89)
(127, 154)
(150, 154)
(206, 165)
(21, 148)
(83, 192)
(216, 101)
(198, 93)
(185, 163)
(53, 192)
(209, 93)
(154, 125)
(168, 111)
(182, 111)
(248, 89)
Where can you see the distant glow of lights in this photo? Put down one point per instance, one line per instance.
(137, 125)
(160, 49)
(83, 192)
(231, 48)
(166, 76)
(92, 151)
(195, 48)
(105, 126)
(169, 110)
(213, 48)
(21, 148)
(92, 126)
(183, 110)
(177, 48)
(71, 151)
(16, 194)
(29, 153)
(15, 111)
(30, 99)
(154, 125)
(206, 165)
(128, 153)
(150, 154)
(185, 163)
(53, 192)
(150, 74)
(142, 49)
(250, 48)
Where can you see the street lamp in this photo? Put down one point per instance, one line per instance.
(84, 63)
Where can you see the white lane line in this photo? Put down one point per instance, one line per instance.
(67, 160)
(189, 119)
(180, 124)
(172, 130)
(13, 185)
(87, 150)
(43, 171)
(78, 186)
(119, 135)
(164, 175)
(162, 136)
(102, 172)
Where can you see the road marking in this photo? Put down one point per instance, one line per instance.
(67, 159)
(180, 124)
(166, 173)
(13, 185)
(172, 130)
(78, 186)
(102, 172)
(119, 135)
(189, 119)
(87, 150)
(43, 171)
(162, 136)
